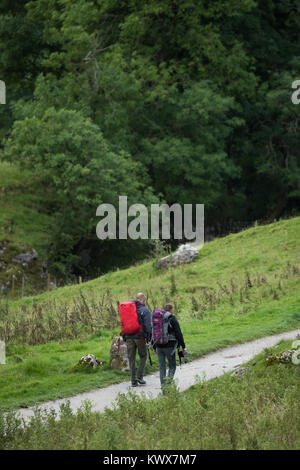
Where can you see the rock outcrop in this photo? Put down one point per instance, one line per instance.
(90, 360)
(284, 357)
(185, 254)
(25, 258)
(118, 353)
(239, 372)
(20, 263)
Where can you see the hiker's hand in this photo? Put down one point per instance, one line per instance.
(184, 351)
(148, 344)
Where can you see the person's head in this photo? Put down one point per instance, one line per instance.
(141, 297)
(169, 308)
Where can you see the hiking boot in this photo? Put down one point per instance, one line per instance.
(134, 384)
(141, 381)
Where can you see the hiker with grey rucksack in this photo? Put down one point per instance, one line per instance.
(166, 339)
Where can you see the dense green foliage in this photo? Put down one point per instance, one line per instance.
(190, 100)
(71, 154)
(260, 410)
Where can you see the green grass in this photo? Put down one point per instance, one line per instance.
(21, 199)
(259, 410)
(24, 223)
(49, 371)
(262, 249)
(214, 305)
(45, 372)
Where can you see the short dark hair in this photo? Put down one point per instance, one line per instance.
(168, 307)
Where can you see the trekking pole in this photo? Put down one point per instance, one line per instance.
(150, 360)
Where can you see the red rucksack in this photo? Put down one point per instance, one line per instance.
(129, 318)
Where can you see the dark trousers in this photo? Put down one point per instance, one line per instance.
(163, 354)
(140, 346)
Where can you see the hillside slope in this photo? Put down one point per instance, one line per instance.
(242, 287)
(23, 228)
(270, 251)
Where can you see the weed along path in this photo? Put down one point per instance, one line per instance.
(207, 367)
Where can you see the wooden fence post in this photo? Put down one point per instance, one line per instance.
(48, 282)
(2, 352)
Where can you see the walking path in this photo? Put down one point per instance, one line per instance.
(208, 366)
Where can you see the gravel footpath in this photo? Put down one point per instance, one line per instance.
(207, 367)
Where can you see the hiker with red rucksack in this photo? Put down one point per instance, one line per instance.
(166, 338)
(136, 331)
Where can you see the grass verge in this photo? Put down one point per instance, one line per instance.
(258, 410)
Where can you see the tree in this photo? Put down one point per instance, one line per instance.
(73, 158)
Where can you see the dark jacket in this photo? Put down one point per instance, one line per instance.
(144, 319)
(175, 329)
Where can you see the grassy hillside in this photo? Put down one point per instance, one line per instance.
(259, 410)
(242, 287)
(23, 225)
(21, 201)
(262, 250)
